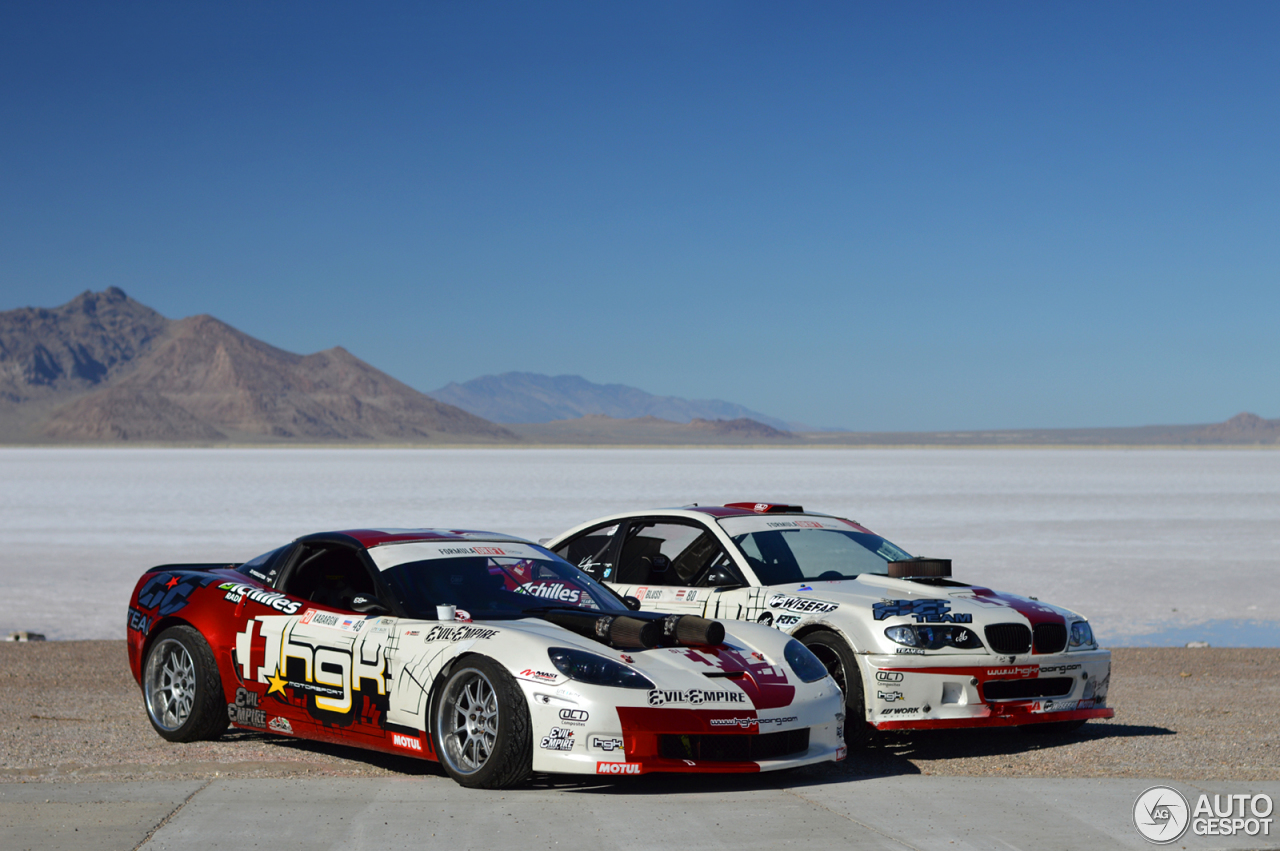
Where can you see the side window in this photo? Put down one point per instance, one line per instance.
(590, 552)
(265, 567)
(657, 553)
(330, 576)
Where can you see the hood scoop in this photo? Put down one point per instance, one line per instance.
(640, 631)
(920, 568)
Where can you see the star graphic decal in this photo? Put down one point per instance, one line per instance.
(277, 682)
(173, 580)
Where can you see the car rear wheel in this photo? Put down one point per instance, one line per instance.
(481, 726)
(181, 687)
(835, 654)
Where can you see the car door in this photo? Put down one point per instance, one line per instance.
(672, 565)
(323, 664)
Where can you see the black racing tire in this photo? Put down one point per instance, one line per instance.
(838, 658)
(480, 726)
(181, 687)
(1053, 728)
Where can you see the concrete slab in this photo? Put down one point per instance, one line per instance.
(799, 810)
(961, 813)
(85, 817)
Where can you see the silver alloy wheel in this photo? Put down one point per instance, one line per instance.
(170, 684)
(467, 722)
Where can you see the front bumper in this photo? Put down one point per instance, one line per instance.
(964, 690)
(630, 740)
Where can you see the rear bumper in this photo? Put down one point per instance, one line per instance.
(957, 691)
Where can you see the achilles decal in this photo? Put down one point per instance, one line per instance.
(557, 591)
(236, 591)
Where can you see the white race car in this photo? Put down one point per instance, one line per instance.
(910, 647)
(482, 651)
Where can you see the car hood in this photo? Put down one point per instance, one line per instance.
(893, 601)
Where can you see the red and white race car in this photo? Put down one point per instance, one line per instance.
(911, 647)
(484, 652)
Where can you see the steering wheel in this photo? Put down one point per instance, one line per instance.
(832, 574)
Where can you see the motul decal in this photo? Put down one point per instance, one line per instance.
(617, 768)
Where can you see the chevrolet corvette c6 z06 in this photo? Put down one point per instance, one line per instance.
(911, 647)
(484, 652)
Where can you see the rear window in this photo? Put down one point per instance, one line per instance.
(265, 567)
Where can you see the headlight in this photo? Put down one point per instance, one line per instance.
(596, 670)
(934, 637)
(803, 662)
(1081, 634)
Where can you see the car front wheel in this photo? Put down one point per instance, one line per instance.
(481, 726)
(182, 688)
(835, 654)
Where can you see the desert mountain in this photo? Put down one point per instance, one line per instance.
(80, 345)
(601, 429)
(527, 397)
(1242, 428)
(107, 368)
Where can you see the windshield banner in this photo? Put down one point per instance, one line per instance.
(392, 555)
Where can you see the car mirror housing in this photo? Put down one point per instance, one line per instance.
(632, 603)
(367, 605)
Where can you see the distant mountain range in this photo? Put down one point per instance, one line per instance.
(105, 368)
(527, 397)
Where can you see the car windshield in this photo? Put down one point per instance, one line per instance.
(487, 581)
(782, 550)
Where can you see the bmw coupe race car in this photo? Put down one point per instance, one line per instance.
(484, 652)
(910, 647)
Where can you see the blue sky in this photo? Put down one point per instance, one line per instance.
(880, 216)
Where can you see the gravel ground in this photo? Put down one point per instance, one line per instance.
(69, 710)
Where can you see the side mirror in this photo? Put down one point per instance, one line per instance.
(631, 603)
(366, 605)
(720, 576)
